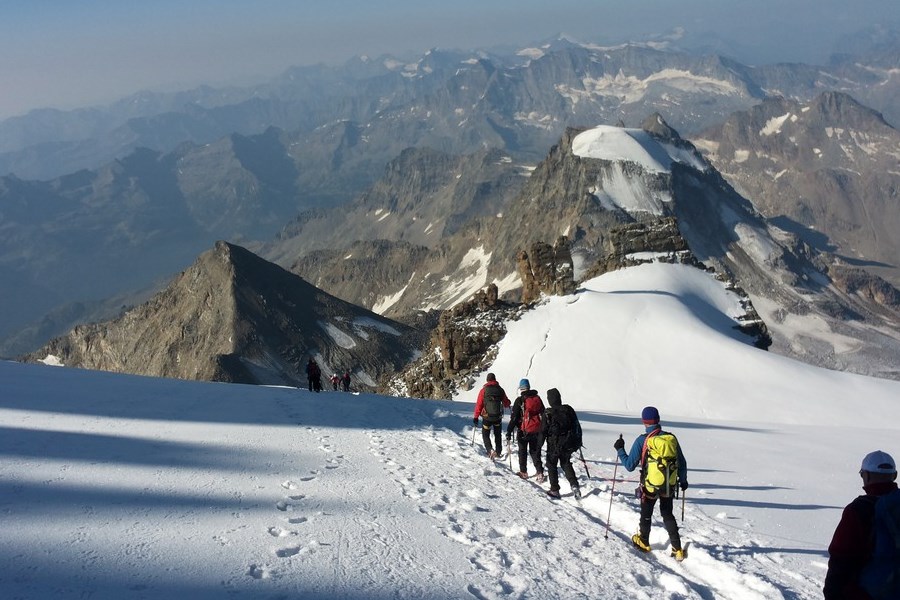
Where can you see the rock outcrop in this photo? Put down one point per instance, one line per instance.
(546, 269)
(463, 343)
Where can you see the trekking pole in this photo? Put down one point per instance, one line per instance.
(683, 496)
(581, 454)
(473, 434)
(611, 492)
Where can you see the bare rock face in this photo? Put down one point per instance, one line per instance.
(825, 170)
(235, 317)
(463, 343)
(871, 287)
(640, 242)
(546, 269)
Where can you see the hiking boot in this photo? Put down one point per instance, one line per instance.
(576, 491)
(639, 543)
(678, 555)
(554, 493)
(492, 455)
(539, 477)
(522, 474)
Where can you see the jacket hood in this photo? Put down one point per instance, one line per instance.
(553, 397)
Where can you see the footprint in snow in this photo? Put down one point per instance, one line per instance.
(278, 532)
(286, 552)
(258, 572)
(295, 550)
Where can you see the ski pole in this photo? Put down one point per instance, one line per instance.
(611, 492)
(473, 434)
(581, 454)
(683, 496)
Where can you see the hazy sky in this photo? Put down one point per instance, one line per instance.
(68, 53)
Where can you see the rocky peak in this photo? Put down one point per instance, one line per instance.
(656, 125)
(235, 317)
(838, 106)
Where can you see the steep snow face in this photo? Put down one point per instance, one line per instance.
(632, 145)
(469, 277)
(631, 194)
(644, 335)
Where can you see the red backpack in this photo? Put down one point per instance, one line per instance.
(532, 409)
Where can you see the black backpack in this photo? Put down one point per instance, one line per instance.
(493, 404)
(564, 427)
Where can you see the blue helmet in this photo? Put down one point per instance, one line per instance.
(524, 385)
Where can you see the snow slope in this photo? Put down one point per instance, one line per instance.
(116, 486)
(614, 144)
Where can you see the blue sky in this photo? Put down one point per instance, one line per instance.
(62, 53)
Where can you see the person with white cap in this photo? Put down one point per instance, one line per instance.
(864, 562)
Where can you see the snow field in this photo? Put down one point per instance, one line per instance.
(116, 486)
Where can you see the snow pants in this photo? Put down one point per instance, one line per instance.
(486, 429)
(530, 444)
(648, 501)
(565, 461)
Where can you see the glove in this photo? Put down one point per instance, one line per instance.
(620, 444)
(475, 420)
(684, 485)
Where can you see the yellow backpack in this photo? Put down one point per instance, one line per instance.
(660, 461)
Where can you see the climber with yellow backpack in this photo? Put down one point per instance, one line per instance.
(663, 471)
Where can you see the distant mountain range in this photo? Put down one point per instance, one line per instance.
(449, 100)
(827, 170)
(408, 186)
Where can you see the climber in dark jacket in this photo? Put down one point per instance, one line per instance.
(559, 429)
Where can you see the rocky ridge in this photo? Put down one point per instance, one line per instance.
(234, 317)
(830, 174)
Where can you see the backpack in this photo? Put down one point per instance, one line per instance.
(881, 575)
(532, 407)
(493, 404)
(564, 428)
(660, 460)
(571, 442)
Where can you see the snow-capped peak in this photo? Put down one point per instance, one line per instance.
(633, 145)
